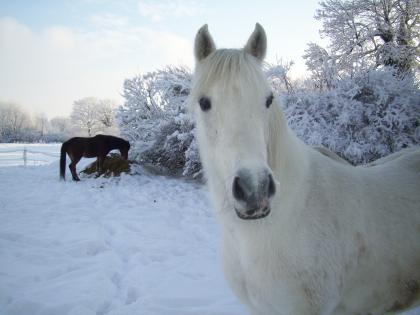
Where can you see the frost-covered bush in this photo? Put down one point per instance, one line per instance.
(363, 118)
(154, 120)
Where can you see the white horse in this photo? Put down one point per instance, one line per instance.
(303, 232)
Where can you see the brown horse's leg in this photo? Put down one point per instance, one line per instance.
(72, 167)
(100, 164)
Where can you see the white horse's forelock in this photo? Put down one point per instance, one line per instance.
(227, 67)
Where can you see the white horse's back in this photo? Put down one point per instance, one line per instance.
(411, 158)
(379, 228)
(323, 150)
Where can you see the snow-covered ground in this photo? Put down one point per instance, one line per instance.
(12, 154)
(132, 245)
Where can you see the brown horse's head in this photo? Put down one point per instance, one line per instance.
(124, 150)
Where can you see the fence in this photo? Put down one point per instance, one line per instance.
(26, 156)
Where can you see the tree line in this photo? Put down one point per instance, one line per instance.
(89, 116)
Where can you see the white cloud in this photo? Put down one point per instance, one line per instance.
(48, 70)
(108, 20)
(158, 11)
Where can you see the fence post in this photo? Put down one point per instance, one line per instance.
(24, 156)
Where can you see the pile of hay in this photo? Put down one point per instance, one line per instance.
(114, 165)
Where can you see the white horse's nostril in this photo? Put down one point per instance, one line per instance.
(271, 186)
(237, 190)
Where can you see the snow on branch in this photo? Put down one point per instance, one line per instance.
(361, 117)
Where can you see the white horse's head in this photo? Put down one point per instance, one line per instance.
(231, 101)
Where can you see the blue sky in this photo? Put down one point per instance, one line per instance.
(54, 52)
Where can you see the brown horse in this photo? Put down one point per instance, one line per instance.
(97, 146)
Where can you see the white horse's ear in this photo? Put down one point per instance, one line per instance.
(257, 43)
(204, 44)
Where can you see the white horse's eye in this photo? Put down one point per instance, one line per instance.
(269, 100)
(205, 103)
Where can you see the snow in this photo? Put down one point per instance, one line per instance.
(11, 154)
(139, 244)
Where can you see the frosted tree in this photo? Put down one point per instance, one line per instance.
(372, 33)
(141, 111)
(362, 118)
(155, 121)
(91, 115)
(151, 100)
(60, 124)
(41, 124)
(322, 67)
(13, 122)
(278, 75)
(60, 129)
(84, 115)
(106, 112)
(4, 123)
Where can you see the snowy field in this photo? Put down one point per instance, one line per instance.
(132, 245)
(11, 154)
(138, 244)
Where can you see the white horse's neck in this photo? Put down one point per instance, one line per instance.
(287, 155)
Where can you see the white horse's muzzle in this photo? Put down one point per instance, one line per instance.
(252, 194)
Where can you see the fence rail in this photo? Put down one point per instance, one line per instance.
(24, 155)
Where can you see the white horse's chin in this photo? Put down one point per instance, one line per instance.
(256, 214)
(253, 214)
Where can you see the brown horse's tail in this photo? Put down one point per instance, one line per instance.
(63, 161)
